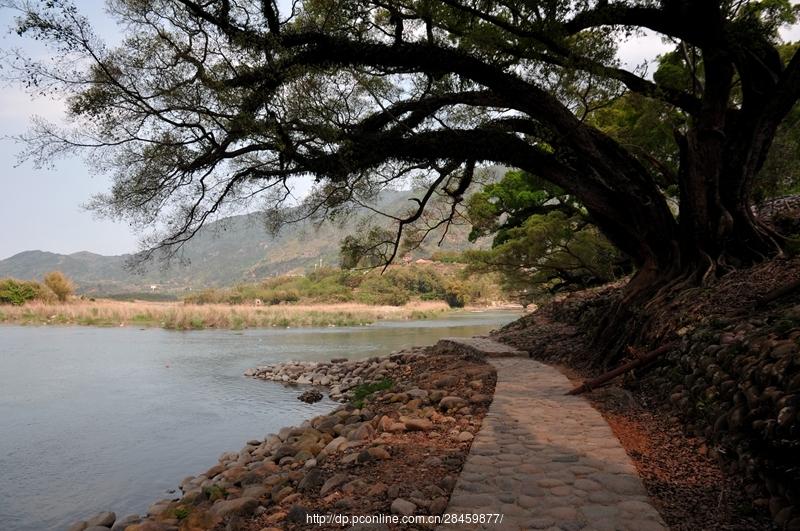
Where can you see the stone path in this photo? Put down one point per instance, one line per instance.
(548, 461)
(479, 345)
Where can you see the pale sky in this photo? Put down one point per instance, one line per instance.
(41, 209)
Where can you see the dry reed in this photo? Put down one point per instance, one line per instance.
(179, 316)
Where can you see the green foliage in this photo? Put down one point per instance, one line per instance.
(141, 296)
(508, 203)
(448, 257)
(361, 392)
(18, 292)
(780, 174)
(548, 253)
(380, 290)
(215, 492)
(543, 239)
(182, 512)
(59, 284)
(396, 286)
(647, 127)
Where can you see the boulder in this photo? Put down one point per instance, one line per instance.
(254, 491)
(438, 505)
(465, 436)
(311, 396)
(362, 433)
(377, 489)
(335, 445)
(214, 470)
(396, 427)
(105, 519)
(158, 507)
(384, 423)
(452, 402)
(417, 393)
(283, 493)
(478, 398)
(403, 507)
(357, 486)
(432, 461)
(335, 481)
(236, 506)
(418, 424)
(297, 514)
(285, 450)
(122, 523)
(378, 452)
(447, 380)
(326, 425)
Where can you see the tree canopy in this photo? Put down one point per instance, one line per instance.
(207, 105)
(543, 242)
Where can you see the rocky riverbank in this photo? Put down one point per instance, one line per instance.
(396, 445)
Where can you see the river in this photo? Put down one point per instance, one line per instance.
(95, 419)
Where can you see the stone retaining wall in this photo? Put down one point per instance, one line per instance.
(738, 386)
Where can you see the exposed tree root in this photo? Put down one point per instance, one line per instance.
(606, 378)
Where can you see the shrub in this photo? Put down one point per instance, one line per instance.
(18, 292)
(215, 492)
(59, 284)
(208, 296)
(361, 392)
(448, 257)
(381, 289)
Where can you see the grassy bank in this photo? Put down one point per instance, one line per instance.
(397, 286)
(179, 316)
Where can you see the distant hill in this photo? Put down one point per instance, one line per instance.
(233, 250)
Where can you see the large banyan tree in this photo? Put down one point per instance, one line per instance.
(208, 103)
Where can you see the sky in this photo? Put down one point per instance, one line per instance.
(42, 208)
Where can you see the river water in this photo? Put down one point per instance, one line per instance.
(95, 419)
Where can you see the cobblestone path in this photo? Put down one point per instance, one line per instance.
(548, 461)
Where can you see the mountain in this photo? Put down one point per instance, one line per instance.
(226, 252)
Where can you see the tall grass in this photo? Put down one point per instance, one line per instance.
(178, 316)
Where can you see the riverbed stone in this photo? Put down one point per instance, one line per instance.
(451, 402)
(465, 436)
(236, 506)
(333, 482)
(418, 424)
(379, 452)
(158, 507)
(125, 521)
(254, 491)
(362, 433)
(403, 507)
(335, 445)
